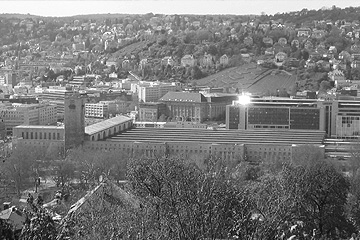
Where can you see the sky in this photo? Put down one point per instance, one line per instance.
(58, 8)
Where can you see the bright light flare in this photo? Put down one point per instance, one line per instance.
(244, 99)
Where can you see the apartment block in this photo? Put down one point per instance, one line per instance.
(28, 114)
(97, 110)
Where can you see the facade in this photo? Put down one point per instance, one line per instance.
(152, 92)
(49, 139)
(224, 60)
(185, 106)
(199, 144)
(188, 61)
(55, 96)
(29, 114)
(338, 118)
(97, 110)
(81, 81)
(74, 120)
(276, 114)
(151, 111)
(195, 107)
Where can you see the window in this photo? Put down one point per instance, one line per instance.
(54, 136)
(49, 135)
(58, 136)
(31, 135)
(40, 135)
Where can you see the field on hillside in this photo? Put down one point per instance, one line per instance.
(250, 78)
(132, 49)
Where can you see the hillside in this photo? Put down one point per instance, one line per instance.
(132, 49)
(251, 78)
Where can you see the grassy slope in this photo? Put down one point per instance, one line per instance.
(251, 78)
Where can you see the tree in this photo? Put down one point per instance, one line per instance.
(196, 73)
(21, 167)
(324, 86)
(185, 201)
(39, 225)
(320, 196)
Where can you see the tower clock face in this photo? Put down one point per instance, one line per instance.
(72, 104)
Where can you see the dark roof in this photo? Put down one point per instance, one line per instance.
(183, 97)
(196, 136)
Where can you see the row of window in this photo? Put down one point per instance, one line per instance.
(40, 135)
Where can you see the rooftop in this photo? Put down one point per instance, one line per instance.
(278, 137)
(98, 127)
(183, 97)
(39, 127)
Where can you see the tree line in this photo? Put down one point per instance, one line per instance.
(186, 198)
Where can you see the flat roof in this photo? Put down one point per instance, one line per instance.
(100, 126)
(39, 127)
(196, 135)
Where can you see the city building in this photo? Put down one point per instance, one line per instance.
(338, 118)
(152, 92)
(151, 112)
(55, 96)
(97, 110)
(276, 113)
(196, 107)
(81, 81)
(48, 139)
(74, 120)
(197, 141)
(231, 146)
(16, 114)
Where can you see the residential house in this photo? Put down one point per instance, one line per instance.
(336, 75)
(208, 60)
(318, 34)
(167, 61)
(308, 45)
(246, 57)
(345, 56)
(355, 64)
(335, 63)
(224, 60)
(310, 64)
(111, 61)
(355, 48)
(269, 51)
(143, 63)
(332, 49)
(188, 61)
(282, 41)
(356, 33)
(303, 32)
(126, 64)
(355, 56)
(295, 43)
(280, 57)
(268, 41)
(248, 41)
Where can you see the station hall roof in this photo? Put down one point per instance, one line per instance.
(101, 126)
(196, 136)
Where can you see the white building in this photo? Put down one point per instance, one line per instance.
(97, 110)
(151, 92)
